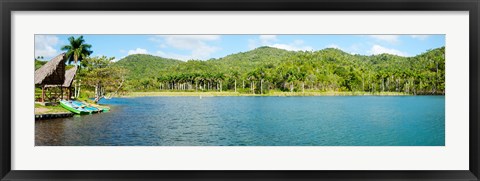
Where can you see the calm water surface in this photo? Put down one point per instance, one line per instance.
(255, 121)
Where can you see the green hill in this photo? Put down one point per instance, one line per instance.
(277, 69)
(145, 66)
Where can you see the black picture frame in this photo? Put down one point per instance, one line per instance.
(7, 6)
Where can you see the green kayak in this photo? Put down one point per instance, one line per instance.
(78, 107)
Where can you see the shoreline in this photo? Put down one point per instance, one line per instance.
(56, 109)
(274, 94)
(52, 109)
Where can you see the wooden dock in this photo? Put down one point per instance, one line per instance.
(52, 115)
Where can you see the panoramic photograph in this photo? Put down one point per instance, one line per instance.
(239, 90)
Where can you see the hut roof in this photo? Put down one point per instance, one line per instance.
(69, 77)
(52, 73)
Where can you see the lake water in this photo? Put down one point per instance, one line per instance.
(255, 121)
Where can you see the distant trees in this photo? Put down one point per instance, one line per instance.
(265, 69)
(39, 63)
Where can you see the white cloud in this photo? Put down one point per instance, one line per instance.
(137, 51)
(197, 54)
(356, 48)
(174, 55)
(263, 40)
(387, 38)
(292, 47)
(377, 49)
(353, 49)
(44, 45)
(420, 37)
(268, 37)
(268, 40)
(296, 45)
(117, 59)
(187, 42)
(197, 45)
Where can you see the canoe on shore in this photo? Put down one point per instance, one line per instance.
(78, 107)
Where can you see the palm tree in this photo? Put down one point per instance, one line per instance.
(260, 73)
(302, 77)
(235, 76)
(219, 78)
(291, 74)
(252, 77)
(77, 50)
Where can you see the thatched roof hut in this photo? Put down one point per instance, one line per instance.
(69, 77)
(52, 73)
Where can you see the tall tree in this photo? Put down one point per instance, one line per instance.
(102, 76)
(235, 76)
(76, 51)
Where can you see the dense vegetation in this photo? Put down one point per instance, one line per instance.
(39, 63)
(142, 66)
(265, 69)
(99, 74)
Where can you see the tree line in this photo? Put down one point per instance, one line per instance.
(268, 69)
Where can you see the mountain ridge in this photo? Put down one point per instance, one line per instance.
(347, 71)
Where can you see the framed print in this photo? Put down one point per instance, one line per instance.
(264, 90)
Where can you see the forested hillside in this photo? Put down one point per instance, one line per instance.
(142, 66)
(265, 69)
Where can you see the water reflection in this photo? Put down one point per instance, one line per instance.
(254, 121)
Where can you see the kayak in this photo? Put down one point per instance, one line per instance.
(105, 109)
(85, 106)
(78, 107)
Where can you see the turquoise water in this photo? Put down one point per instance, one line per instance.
(255, 121)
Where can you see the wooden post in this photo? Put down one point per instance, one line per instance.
(61, 92)
(79, 86)
(75, 88)
(69, 93)
(43, 93)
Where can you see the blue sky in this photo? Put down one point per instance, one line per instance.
(203, 47)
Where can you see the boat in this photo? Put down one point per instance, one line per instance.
(100, 107)
(86, 106)
(104, 109)
(78, 107)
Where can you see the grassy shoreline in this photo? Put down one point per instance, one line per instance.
(57, 108)
(209, 94)
(40, 109)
